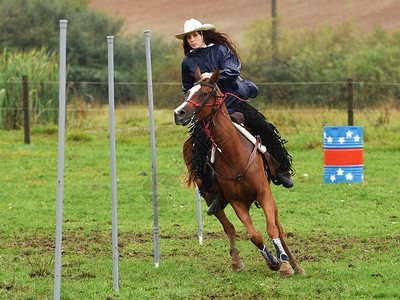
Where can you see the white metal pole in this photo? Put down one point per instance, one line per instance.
(110, 41)
(199, 220)
(60, 171)
(153, 147)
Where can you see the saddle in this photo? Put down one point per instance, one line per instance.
(270, 163)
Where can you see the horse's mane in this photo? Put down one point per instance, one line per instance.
(196, 159)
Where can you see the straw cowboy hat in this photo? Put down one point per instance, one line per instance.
(191, 26)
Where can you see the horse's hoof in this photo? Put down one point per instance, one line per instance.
(286, 269)
(274, 267)
(300, 271)
(238, 266)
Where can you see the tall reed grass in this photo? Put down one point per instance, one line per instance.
(41, 67)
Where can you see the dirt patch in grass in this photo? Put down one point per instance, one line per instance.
(98, 242)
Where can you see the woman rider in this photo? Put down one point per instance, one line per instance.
(206, 48)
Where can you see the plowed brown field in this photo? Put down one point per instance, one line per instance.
(232, 16)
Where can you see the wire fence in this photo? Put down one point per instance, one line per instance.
(30, 101)
(257, 83)
(281, 96)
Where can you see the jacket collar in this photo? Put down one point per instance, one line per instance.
(195, 51)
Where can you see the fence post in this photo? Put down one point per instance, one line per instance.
(199, 220)
(274, 35)
(27, 129)
(153, 147)
(110, 43)
(350, 102)
(60, 165)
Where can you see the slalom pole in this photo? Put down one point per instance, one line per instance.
(110, 42)
(199, 221)
(153, 147)
(60, 168)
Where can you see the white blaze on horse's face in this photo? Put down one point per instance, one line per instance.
(193, 91)
(182, 114)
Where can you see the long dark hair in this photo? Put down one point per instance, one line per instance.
(212, 37)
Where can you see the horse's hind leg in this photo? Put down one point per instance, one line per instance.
(229, 229)
(293, 261)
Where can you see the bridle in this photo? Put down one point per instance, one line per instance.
(216, 106)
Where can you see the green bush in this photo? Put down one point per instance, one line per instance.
(326, 55)
(41, 67)
(27, 25)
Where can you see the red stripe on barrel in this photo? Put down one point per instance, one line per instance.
(343, 157)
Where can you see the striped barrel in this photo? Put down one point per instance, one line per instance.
(343, 154)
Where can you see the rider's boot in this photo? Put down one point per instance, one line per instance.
(212, 209)
(285, 179)
(216, 196)
(279, 175)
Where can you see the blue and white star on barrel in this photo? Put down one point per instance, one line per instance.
(349, 176)
(333, 178)
(335, 174)
(343, 137)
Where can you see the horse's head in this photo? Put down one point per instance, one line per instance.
(200, 98)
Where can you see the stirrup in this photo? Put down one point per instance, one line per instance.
(212, 209)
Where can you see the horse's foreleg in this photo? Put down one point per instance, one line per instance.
(242, 211)
(229, 229)
(293, 261)
(274, 231)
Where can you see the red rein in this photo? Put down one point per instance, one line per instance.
(218, 104)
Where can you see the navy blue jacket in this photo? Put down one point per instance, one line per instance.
(208, 59)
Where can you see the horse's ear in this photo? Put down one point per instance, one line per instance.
(197, 74)
(214, 78)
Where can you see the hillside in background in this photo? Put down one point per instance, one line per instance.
(232, 16)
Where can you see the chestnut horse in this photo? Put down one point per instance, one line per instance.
(240, 170)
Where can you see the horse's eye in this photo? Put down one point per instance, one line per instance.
(204, 94)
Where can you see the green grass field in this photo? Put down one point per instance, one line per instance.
(346, 236)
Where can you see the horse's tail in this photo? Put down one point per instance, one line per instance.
(187, 157)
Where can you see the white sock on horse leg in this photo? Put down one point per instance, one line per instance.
(269, 258)
(279, 249)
